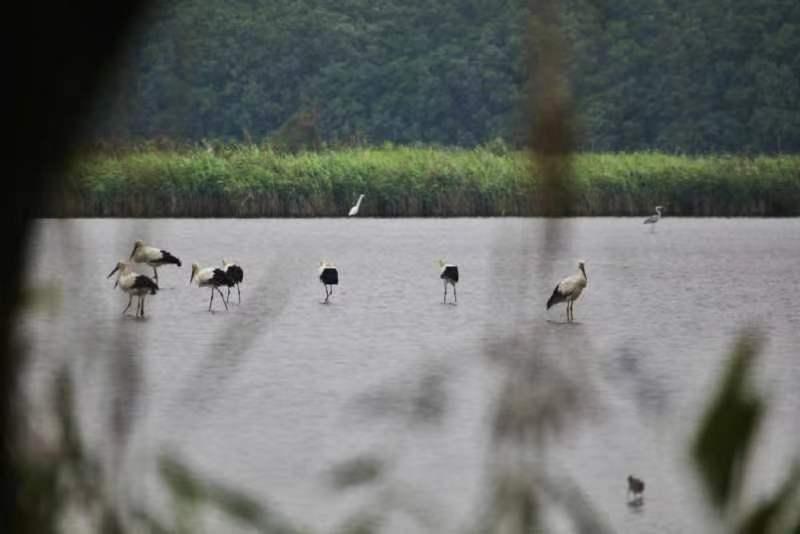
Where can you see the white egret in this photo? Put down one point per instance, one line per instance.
(354, 209)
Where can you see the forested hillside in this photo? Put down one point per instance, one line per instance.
(674, 75)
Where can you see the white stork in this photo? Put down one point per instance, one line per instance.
(354, 209)
(236, 274)
(133, 284)
(449, 275)
(152, 256)
(568, 290)
(329, 277)
(653, 219)
(213, 278)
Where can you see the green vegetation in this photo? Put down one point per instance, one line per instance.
(248, 181)
(693, 76)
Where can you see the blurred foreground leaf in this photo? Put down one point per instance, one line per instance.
(191, 489)
(778, 514)
(358, 471)
(728, 427)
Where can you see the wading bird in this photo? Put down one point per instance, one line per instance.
(635, 488)
(329, 277)
(653, 219)
(568, 290)
(236, 274)
(354, 209)
(213, 278)
(449, 275)
(152, 256)
(133, 284)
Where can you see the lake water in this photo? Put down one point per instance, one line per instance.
(270, 395)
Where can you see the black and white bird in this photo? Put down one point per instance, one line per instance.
(635, 488)
(568, 290)
(133, 284)
(213, 278)
(653, 219)
(449, 275)
(354, 209)
(152, 256)
(329, 277)
(236, 274)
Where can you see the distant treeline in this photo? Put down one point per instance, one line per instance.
(248, 181)
(688, 76)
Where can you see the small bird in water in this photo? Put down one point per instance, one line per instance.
(635, 488)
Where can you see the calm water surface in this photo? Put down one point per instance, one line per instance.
(270, 395)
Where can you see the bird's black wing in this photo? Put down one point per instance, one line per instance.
(167, 258)
(221, 278)
(236, 273)
(329, 276)
(450, 273)
(555, 298)
(145, 282)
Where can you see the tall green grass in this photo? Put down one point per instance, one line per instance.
(250, 181)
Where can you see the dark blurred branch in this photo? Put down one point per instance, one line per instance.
(58, 61)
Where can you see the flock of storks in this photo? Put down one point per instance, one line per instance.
(231, 274)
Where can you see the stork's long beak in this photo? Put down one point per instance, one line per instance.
(112, 272)
(133, 251)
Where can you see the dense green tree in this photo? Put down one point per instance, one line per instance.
(681, 75)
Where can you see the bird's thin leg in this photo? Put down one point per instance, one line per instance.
(455, 296)
(222, 297)
(229, 294)
(155, 275)
(240, 293)
(327, 294)
(444, 299)
(211, 299)
(130, 299)
(141, 305)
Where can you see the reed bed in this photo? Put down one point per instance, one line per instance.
(252, 181)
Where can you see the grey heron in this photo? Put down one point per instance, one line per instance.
(653, 219)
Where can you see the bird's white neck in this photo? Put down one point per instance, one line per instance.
(358, 204)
